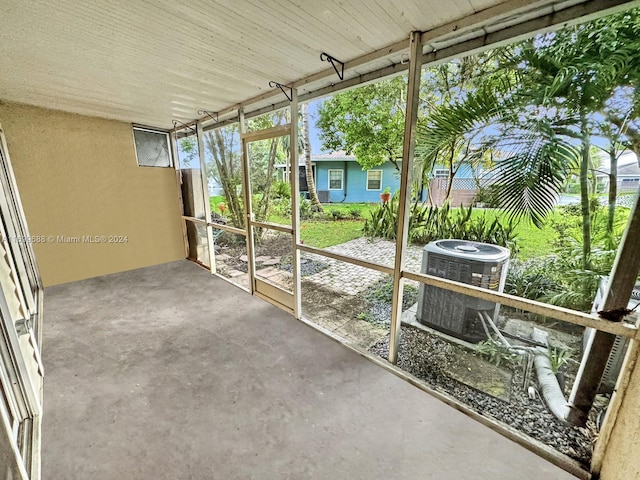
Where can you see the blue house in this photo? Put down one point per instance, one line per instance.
(340, 179)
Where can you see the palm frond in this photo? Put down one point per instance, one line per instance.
(531, 175)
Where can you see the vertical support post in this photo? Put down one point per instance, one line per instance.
(408, 148)
(621, 282)
(176, 163)
(205, 195)
(248, 207)
(600, 449)
(295, 211)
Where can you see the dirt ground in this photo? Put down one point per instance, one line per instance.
(340, 314)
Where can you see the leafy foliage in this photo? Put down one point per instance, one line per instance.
(428, 223)
(355, 213)
(536, 113)
(577, 285)
(532, 278)
(366, 121)
(558, 358)
(496, 352)
(560, 278)
(488, 196)
(281, 189)
(222, 146)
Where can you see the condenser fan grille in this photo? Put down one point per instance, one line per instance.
(473, 263)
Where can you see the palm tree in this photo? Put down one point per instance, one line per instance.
(536, 112)
(544, 122)
(530, 153)
(311, 184)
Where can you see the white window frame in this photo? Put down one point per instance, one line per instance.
(156, 131)
(440, 173)
(341, 178)
(381, 176)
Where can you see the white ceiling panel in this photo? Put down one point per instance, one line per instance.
(149, 62)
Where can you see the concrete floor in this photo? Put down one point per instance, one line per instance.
(170, 373)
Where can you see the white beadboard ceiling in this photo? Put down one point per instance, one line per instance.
(151, 61)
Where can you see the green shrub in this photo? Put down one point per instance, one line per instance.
(572, 210)
(382, 220)
(533, 278)
(337, 215)
(281, 206)
(560, 278)
(306, 212)
(428, 223)
(488, 196)
(577, 287)
(281, 189)
(355, 212)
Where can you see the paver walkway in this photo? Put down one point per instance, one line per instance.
(343, 277)
(351, 279)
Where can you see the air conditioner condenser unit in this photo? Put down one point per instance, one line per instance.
(481, 264)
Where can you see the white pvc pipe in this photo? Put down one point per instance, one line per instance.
(549, 386)
(551, 391)
(495, 329)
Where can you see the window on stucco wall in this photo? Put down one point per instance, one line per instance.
(335, 179)
(152, 147)
(374, 180)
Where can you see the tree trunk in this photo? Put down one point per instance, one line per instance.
(584, 192)
(451, 173)
(263, 206)
(613, 187)
(632, 134)
(447, 195)
(311, 184)
(223, 158)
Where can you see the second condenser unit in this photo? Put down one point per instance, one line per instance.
(480, 264)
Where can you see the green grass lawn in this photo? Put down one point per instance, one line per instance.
(532, 241)
(328, 232)
(325, 233)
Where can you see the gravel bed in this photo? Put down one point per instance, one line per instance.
(378, 298)
(424, 355)
(307, 266)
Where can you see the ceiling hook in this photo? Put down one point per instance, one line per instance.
(176, 123)
(325, 57)
(212, 115)
(289, 96)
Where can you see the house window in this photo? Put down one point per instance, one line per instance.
(152, 148)
(335, 179)
(374, 179)
(441, 173)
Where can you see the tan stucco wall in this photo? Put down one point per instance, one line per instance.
(621, 460)
(78, 176)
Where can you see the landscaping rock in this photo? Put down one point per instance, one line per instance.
(427, 357)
